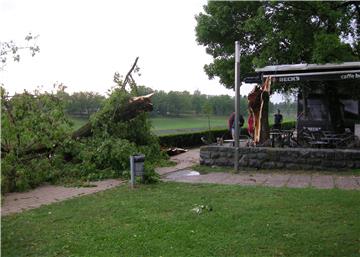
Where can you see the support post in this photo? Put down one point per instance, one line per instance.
(237, 104)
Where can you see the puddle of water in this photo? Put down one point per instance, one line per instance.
(193, 173)
(183, 173)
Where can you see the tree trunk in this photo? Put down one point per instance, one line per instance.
(135, 106)
(259, 104)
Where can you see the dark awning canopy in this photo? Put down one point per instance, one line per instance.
(308, 72)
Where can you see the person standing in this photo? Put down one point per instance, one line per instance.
(278, 118)
(231, 124)
(250, 127)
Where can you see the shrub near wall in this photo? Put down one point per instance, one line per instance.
(194, 139)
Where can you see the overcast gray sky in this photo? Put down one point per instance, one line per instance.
(83, 42)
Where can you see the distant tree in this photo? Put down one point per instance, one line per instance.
(84, 103)
(159, 101)
(185, 106)
(208, 111)
(142, 90)
(175, 105)
(197, 101)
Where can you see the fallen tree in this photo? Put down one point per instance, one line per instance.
(38, 144)
(134, 107)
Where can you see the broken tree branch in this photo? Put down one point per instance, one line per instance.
(128, 75)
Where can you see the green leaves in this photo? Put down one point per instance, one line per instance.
(29, 121)
(275, 32)
(37, 145)
(329, 48)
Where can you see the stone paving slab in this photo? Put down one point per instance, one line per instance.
(277, 180)
(215, 178)
(18, 202)
(241, 179)
(183, 161)
(271, 180)
(299, 181)
(260, 178)
(322, 181)
(357, 178)
(347, 182)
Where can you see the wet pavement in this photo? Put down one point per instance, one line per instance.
(182, 172)
(272, 180)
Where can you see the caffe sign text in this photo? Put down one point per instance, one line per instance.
(350, 76)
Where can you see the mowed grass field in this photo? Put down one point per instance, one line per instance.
(160, 220)
(181, 124)
(175, 125)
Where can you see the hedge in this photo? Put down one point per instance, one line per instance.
(194, 139)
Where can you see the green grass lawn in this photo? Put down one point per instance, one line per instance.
(157, 220)
(174, 125)
(178, 125)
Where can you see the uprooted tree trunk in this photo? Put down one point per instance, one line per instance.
(135, 106)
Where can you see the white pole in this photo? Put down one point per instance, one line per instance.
(237, 104)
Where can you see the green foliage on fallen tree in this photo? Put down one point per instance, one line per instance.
(38, 146)
(29, 121)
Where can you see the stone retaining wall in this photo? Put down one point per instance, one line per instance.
(279, 158)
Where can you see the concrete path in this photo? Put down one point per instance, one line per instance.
(18, 202)
(183, 161)
(273, 180)
(182, 173)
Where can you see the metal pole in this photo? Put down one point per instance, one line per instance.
(237, 104)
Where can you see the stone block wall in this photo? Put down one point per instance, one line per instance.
(281, 158)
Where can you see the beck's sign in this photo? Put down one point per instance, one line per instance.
(315, 76)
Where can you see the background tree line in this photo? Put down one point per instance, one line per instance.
(173, 103)
(81, 104)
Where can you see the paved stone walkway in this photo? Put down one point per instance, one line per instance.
(182, 173)
(183, 161)
(272, 180)
(18, 202)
